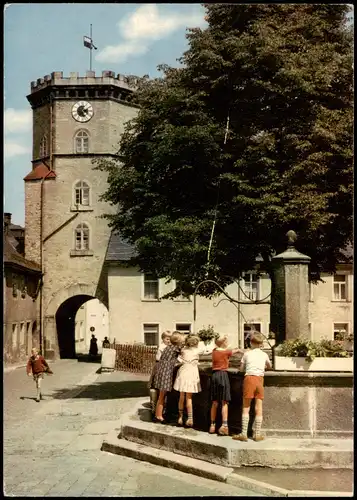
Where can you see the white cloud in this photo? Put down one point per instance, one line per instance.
(145, 25)
(15, 149)
(120, 53)
(17, 120)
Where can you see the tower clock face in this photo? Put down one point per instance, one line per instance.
(82, 111)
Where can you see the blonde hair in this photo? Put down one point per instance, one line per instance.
(176, 338)
(221, 340)
(192, 341)
(256, 338)
(166, 334)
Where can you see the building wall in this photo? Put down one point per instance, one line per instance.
(91, 314)
(40, 127)
(21, 331)
(62, 265)
(128, 312)
(104, 128)
(33, 220)
(324, 310)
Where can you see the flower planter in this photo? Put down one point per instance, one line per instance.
(283, 363)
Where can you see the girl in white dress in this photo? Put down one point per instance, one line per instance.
(188, 377)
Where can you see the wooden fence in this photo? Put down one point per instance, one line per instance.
(134, 358)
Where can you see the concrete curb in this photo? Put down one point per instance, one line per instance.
(260, 487)
(314, 493)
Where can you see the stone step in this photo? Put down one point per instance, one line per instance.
(164, 458)
(223, 451)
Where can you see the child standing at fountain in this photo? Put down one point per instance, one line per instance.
(165, 341)
(220, 386)
(254, 362)
(188, 377)
(164, 374)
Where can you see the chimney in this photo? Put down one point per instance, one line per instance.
(7, 221)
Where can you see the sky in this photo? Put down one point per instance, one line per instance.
(131, 39)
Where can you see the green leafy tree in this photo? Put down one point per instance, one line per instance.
(280, 77)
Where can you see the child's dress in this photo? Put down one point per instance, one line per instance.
(164, 372)
(188, 376)
(160, 349)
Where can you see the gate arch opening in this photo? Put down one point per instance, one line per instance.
(73, 336)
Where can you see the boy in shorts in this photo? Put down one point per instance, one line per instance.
(254, 362)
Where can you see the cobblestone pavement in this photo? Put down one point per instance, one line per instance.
(50, 449)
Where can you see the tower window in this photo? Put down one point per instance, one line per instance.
(82, 142)
(82, 194)
(82, 237)
(43, 146)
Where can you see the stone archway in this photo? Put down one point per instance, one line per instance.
(60, 315)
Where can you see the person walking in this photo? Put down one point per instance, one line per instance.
(36, 367)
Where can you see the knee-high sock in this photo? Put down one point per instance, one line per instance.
(245, 421)
(258, 425)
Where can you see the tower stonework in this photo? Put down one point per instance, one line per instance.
(75, 120)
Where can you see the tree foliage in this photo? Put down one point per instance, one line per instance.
(282, 74)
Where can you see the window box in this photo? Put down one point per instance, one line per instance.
(283, 363)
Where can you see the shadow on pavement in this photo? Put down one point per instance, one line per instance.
(87, 358)
(25, 397)
(109, 390)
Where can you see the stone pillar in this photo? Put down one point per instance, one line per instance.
(290, 293)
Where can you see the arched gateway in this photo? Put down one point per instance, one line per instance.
(59, 317)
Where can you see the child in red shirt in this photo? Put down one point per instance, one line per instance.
(36, 366)
(220, 386)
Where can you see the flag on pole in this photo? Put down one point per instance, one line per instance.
(88, 42)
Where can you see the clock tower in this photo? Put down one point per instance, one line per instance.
(75, 121)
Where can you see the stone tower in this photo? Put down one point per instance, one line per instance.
(75, 120)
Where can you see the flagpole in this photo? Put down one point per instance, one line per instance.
(91, 47)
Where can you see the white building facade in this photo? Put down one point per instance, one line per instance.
(138, 314)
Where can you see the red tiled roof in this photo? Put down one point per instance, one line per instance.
(39, 172)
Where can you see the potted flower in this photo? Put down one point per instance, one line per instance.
(208, 336)
(301, 354)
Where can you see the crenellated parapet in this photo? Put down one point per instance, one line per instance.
(107, 77)
(56, 86)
